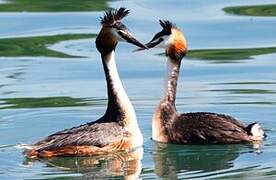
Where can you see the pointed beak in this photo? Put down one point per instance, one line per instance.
(130, 39)
(154, 43)
(149, 45)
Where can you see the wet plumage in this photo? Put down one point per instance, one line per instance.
(117, 129)
(97, 134)
(191, 128)
(90, 136)
(207, 128)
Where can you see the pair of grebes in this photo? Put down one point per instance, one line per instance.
(118, 130)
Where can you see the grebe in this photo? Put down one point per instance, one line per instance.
(191, 128)
(117, 129)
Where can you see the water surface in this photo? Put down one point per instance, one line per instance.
(41, 95)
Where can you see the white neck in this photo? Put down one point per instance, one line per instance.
(171, 79)
(167, 85)
(122, 98)
(117, 85)
(159, 132)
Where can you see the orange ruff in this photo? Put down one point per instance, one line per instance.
(179, 43)
(79, 150)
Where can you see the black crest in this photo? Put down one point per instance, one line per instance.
(167, 26)
(114, 15)
(167, 30)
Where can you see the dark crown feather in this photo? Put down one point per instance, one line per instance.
(113, 15)
(167, 25)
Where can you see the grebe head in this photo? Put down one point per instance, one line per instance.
(113, 31)
(172, 39)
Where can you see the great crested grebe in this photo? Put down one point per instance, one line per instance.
(117, 129)
(191, 128)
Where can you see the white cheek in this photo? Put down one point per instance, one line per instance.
(115, 33)
(165, 43)
(167, 40)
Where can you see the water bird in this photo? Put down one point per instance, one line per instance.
(169, 126)
(117, 129)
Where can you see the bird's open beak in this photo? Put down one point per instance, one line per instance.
(130, 39)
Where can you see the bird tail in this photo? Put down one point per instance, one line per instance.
(29, 151)
(256, 131)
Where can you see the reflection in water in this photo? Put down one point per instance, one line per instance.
(171, 159)
(120, 164)
(16, 75)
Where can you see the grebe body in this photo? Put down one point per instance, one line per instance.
(191, 128)
(117, 129)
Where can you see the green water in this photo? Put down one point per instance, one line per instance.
(51, 78)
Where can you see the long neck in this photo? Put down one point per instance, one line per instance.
(165, 112)
(173, 67)
(119, 107)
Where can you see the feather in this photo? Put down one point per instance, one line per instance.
(113, 15)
